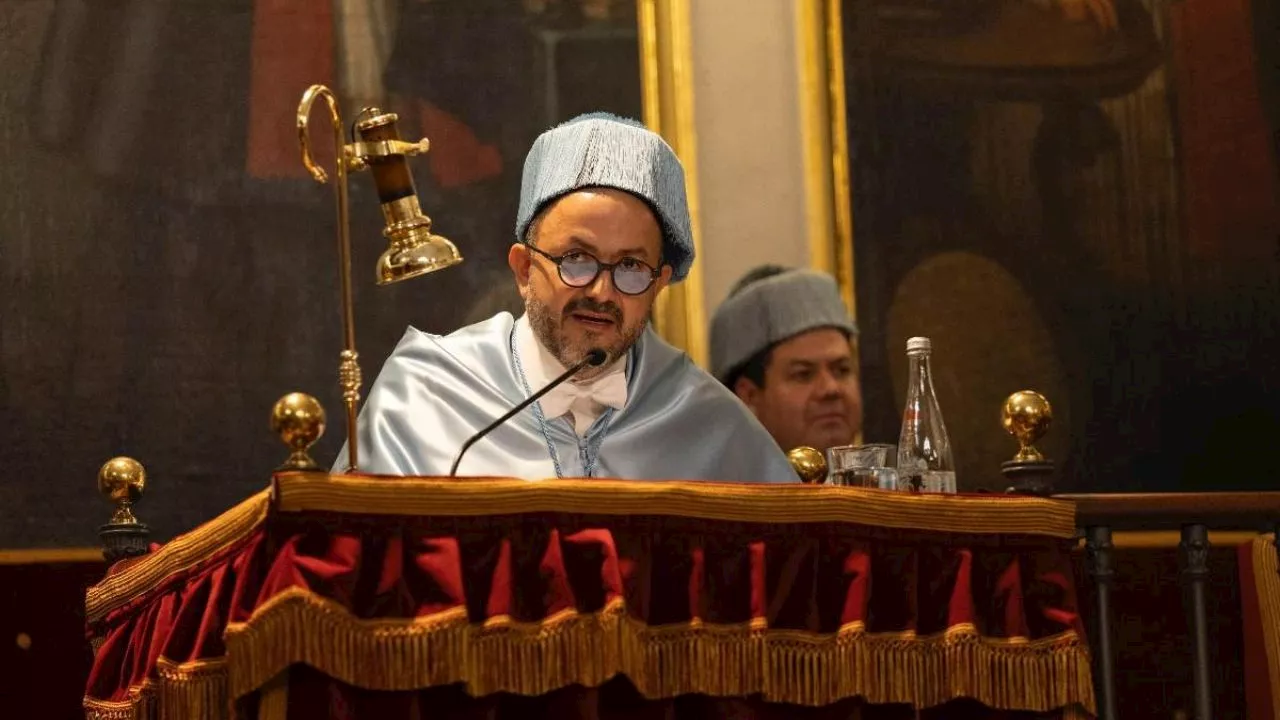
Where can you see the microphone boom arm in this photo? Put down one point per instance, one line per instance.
(594, 358)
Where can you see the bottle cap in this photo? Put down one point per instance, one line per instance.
(919, 344)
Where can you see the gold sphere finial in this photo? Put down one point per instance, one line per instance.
(122, 480)
(809, 464)
(1026, 415)
(299, 421)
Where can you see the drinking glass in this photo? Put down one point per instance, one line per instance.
(867, 466)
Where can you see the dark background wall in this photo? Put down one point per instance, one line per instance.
(1092, 213)
(167, 271)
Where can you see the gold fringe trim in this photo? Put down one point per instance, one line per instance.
(274, 698)
(763, 503)
(141, 705)
(1266, 573)
(179, 555)
(195, 689)
(798, 667)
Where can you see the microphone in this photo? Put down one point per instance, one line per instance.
(595, 357)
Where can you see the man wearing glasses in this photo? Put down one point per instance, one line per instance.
(603, 225)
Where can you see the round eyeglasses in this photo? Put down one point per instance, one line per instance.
(579, 269)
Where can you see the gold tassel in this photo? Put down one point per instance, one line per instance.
(195, 689)
(274, 704)
(140, 705)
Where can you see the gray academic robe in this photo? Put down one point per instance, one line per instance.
(435, 391)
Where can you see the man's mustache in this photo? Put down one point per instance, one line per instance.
(588, 305)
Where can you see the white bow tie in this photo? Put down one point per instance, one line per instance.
(609, 390)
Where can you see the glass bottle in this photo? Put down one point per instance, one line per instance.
(925, 463)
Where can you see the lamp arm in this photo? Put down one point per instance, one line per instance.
(348, 366)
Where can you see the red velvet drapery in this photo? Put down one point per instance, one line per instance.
(342, 597)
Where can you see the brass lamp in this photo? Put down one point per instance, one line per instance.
(412, 248)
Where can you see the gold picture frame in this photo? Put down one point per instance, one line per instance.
(825, 142)
(666, 38)
(667, 88)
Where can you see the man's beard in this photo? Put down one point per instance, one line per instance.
(549, 329)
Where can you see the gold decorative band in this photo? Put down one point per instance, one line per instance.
(297, 492)
(140, 705)
(376, 121)
(720, 660)
(180, 554)
(763, 503)
(40, 556)
(405, 210)
(1169, 539)
(367, 150)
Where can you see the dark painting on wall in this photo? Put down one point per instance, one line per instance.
(1081, 198)
(167, 268)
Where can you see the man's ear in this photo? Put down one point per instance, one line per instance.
(664, 279)
(748, 392)
(519, 259)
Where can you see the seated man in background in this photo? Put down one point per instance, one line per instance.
(602, 226)
(782, 341)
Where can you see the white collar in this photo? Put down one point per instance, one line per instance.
(586, 400)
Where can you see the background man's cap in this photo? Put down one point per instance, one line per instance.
(767, 311)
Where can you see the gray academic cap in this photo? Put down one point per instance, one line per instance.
(603, 150)
(770, 310)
